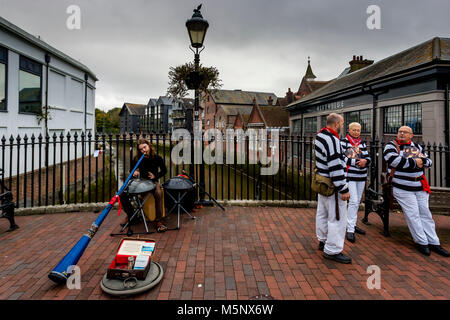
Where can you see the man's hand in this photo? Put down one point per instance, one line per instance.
(361, 162)
(345, 196)
(419, 162)
(151, 175)
(136, 173)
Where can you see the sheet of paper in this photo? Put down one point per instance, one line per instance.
(141, 262)
(135, 248)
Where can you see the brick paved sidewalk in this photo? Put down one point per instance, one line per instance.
(245, 252)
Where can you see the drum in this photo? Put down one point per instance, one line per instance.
(138, 186)
(149, 207)
(179, 185)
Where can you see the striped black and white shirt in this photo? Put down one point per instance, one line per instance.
(355, 173)
(330, 160)
(407, 174)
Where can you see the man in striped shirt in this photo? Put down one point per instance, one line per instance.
(357, 160)
(406, 161)
(331, 225)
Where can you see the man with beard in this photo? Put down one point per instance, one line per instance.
(152, 167)
(411, 189)
(331, 223)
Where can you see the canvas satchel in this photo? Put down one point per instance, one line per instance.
(320, 184)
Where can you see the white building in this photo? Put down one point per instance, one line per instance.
(24, 75)
(35, 77)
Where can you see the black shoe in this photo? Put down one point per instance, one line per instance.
(351, 237)
(359, 230)
(424, 249)
(338, 258)
(439, 250)
(321, 245)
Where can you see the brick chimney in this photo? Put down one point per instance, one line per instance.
(358, 63)
(290, 96)
(270, 101)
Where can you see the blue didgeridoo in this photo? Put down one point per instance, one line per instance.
(60, 273)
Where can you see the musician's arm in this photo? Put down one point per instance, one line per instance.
(162, 170)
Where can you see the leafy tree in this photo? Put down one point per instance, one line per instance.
(107, 121)
(178, 76)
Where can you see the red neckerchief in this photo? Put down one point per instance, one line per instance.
(354, 141)
(330, 131)
(403, 143)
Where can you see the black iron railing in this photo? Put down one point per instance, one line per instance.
(85, 168)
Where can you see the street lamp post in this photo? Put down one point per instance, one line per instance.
(374, 145)
(197, 27)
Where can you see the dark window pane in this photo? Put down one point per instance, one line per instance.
(30, 66)
(311, 125)
(29, 92)
(413, 117)
(351, 117)
(392, 120)
(3, 55)
(297, 126)
(2, 86)
(365, 119)
(323, 121)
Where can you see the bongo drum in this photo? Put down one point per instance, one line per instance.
(149, 207)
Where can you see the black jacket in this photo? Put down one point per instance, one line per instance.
(154, 165)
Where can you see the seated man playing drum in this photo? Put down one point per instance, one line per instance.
(152, 167)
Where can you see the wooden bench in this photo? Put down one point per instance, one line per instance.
(379, 202)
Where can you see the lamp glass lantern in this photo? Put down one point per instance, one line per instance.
(197, 27)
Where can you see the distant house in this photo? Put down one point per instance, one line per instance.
(130, 117)
(268, 117)
(165, 114)
(226, 116)
(308, 85)
(149, 118)
(179, 112)
(221, 107)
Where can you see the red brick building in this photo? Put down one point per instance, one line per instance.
(262, 117)
(221, 106)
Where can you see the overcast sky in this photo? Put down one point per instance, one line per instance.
(257, 45)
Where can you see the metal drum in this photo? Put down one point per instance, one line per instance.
(179, 185)
(138, 186)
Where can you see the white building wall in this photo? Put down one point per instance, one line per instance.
(66, 96)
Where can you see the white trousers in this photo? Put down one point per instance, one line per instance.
(356, 189)
(418, 216)
(328, 229)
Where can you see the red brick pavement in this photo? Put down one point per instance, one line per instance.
(244, 252)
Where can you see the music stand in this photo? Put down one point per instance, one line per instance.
(134, 192)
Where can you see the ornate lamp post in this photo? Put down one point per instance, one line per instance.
(197, 27)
